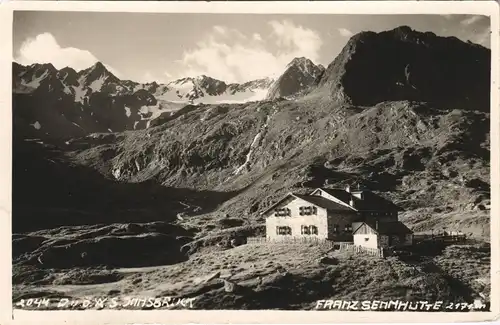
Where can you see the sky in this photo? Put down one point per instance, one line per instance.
(161, 47)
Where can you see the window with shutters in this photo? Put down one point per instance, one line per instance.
(335, 228)
(307, 211)
(309, 230)
(282, 212)
(283, 230)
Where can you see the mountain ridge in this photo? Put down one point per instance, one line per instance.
(427, 71)
(83, 95)
(414, 66)
(97, 71)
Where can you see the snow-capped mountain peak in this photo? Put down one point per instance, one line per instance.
(95, 100)
(300, 74)
(306, 66)
(208, 90)
(299, 61)
(98, 69)
(96, 77)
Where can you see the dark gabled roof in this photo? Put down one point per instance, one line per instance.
(277, 203)
(324, 203)
(370, 201)
(385, 228)
(355, 226)
(340, 194)
(393, 227)
(316, 200)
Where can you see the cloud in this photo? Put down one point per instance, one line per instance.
(44, 49)
(149, 77)
(345, 32)
(483, 38)
(471, 20)
(476, 28)
(234, 57)
(220, 29)
(168, 75)
(297, 38)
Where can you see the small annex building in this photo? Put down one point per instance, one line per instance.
(381, 234)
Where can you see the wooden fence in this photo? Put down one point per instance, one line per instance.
(362, 250)
(343, 246)
(291, 241)
(256, 240)
(369, 251)
(445, 237)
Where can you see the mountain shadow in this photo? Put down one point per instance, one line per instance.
(48, 192)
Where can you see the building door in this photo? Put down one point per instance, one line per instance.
(394, 240)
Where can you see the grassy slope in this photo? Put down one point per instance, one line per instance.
(255, 269)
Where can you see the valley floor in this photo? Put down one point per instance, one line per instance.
(269, 277)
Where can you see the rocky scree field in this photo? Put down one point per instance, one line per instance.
(186, 192)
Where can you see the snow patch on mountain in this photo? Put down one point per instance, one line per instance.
(247, 96)
(128, 112)
(67, 90)
(77, 125)
(96, 85)
(80, 94)
(154, 111)
(36, 125)
(35, 82)
(151, 112)
(205, 90)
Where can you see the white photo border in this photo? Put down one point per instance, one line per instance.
(8, 315)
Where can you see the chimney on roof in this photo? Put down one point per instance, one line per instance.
(358, 194)
(351, 202)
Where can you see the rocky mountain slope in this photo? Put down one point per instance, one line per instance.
(65, 103)
(197, 180)
(299, 75)
(431, 153)
(403, 64)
